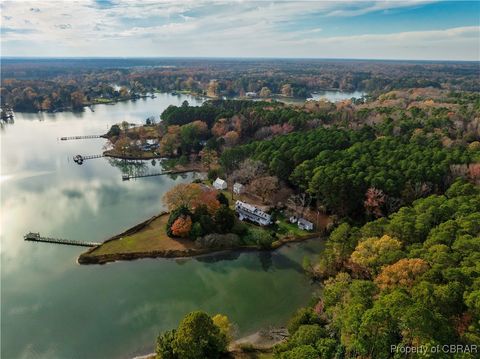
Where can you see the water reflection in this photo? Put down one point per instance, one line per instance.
(111, 311)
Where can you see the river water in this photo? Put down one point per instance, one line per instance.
(51, 307)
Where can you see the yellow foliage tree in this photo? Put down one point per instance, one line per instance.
(223, 323)
(375, 252)
(401, 274)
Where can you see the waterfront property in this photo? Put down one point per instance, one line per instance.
(252, 213)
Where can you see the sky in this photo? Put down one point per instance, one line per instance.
(416, 30)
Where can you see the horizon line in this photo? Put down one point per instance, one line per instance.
(229, 58)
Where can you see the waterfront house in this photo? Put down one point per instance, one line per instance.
(238, 188)
(252, 213)
(304, 224)
(220, 184)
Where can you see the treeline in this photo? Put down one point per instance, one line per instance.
(218, 77)
(339, 166)
(411, 279)
(209, 111)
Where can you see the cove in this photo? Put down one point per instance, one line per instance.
(54, 308)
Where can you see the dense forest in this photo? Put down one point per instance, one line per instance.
(409, 279)
(70, 84)
(399, 173)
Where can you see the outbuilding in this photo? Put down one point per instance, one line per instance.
(220, 184)
(238, 188)
(304, 224)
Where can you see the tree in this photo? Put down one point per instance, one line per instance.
(164, 347)
(248, 170)
(231, 138)
(197, 337)
(182, 226)
(264, 186)
(301, 200)
(375, 199)
(375, 252)
(222, 199)
(225, 326)
(209, 158)
(224, 219)
(207, 198)
(402, 273)
(183, 194)
(287, 90)
(78, 100)
(265, 92)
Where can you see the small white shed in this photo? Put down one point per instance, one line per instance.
(304, 224)
(238, 188)
(220, 184)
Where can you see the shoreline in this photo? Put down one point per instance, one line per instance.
(89, 258)
(261, 340)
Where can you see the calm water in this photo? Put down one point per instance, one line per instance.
(52, 307)
(335, 96)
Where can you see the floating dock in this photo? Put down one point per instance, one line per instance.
(79, 158)
(36, 237)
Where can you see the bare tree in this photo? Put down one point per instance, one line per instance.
(248, 170)
(301, 200)
(264, 186)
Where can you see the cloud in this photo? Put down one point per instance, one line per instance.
(218, 28)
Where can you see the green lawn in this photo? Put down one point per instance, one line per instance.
(151, 238)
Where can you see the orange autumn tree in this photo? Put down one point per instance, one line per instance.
(191, 195)
(209, 199)
(183, 194)
(182, 226)
(402, 273)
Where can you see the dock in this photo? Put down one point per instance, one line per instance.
(36, 237)
(127, 177)
(79, 137)
(79, 158)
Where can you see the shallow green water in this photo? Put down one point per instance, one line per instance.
(52, 307)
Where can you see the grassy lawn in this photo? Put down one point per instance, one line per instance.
(150, 238)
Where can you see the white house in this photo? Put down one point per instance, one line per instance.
(252, 213)
(304, 224)
(220, 184)
(238, 188)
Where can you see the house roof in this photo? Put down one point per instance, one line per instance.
(220, 181)
(304, 222)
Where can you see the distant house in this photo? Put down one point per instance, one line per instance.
(238, 188)
(304, 224)
(252, 213)
(220, 184)
(151, 141)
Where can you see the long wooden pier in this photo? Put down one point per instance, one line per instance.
(79, 137)
(79, 158)
(127, 177)
(36, 237)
